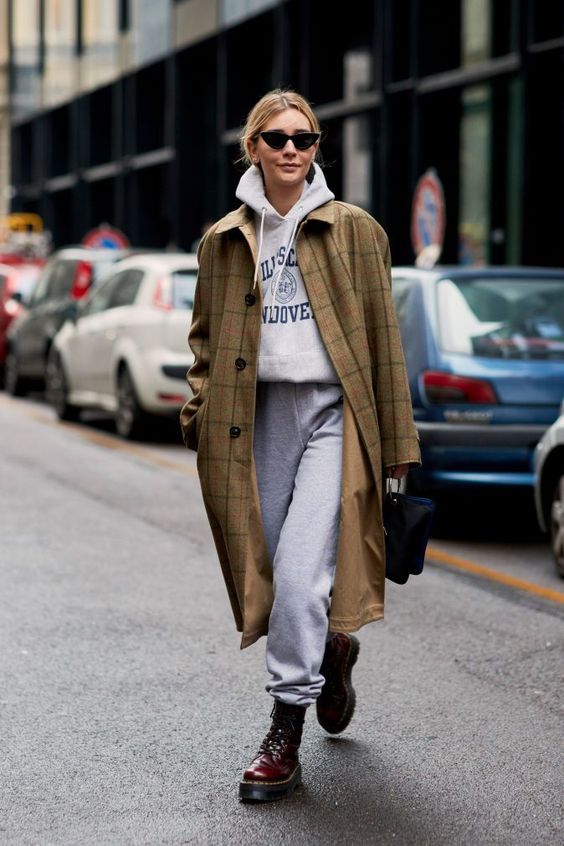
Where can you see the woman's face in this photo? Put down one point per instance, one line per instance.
(288, 167)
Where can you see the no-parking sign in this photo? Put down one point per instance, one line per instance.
(105, 236)
(428, 219)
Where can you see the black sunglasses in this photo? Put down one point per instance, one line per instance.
(301, 140)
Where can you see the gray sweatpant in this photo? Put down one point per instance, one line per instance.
(298, 453)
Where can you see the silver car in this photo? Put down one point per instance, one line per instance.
(549, 488)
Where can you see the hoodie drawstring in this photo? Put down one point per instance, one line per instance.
(288, 248)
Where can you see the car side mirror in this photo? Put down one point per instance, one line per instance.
(18, 297)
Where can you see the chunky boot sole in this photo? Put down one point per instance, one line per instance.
(264, 791)
(351, 699)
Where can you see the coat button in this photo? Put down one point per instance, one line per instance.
(250, 299)
(240, 363)
(235, 431)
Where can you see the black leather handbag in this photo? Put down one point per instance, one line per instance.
(407, 526)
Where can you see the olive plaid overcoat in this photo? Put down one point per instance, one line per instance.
(344, 258)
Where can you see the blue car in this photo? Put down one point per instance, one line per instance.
(484, 349)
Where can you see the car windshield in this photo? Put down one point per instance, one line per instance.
(502, 317)
(183, 288)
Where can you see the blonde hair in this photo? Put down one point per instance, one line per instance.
(273, 102)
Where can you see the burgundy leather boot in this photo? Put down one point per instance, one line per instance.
(335, 705)
(275, 771)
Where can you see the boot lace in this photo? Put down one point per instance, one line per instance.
(281, 730)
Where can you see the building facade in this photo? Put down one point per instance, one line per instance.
(128, 112)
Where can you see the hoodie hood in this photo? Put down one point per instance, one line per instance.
(251, 191)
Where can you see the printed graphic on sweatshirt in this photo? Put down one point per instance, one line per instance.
(269, 268)
(283, 289)
(287, 314)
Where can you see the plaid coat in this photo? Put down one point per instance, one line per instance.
(344, 258)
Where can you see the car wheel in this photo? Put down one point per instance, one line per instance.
(131, 420)
(56, 389)
(557, 526)
(14, 384)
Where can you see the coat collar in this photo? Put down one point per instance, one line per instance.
(242, 216)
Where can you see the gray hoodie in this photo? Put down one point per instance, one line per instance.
(291, 349)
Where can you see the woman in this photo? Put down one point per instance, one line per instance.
(300, 399)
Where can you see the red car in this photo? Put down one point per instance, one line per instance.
(16, 284)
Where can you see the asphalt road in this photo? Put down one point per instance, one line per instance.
(127, 711)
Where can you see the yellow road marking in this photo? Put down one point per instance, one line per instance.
(441, 557)
(100, 439)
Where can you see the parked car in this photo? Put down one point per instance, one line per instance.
(16, 284)
(484, 349)
(549, 488)
(67, 276)
(126, 351)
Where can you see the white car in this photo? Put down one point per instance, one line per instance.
(549, 487)
(125, 350)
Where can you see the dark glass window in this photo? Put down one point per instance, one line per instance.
(341, 59)
(100, 126)
(439, 38)
(548, 20)
(401, 39)
(60, 283)
(249, 55)
(100, 301)
(58, 125)
(150, 108)
(125, 292)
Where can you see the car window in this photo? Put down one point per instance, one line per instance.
(183, 288)
(402, 291)
(40, 290)
(502, 317)
(61, 279)
(125, 292)
(101, 298)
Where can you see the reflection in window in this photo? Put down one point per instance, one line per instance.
(100, 40)
(476, 31)
(60, 49)
(502, 317)
(25, 56)
(235, 11)
(357, 164)
(474, 217)
(357, 73)
(150, 29)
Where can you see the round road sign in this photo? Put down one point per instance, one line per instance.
(105, 236)
(428, 218)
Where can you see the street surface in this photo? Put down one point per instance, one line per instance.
(128, 712)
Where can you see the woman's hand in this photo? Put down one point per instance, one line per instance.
(397, 471)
